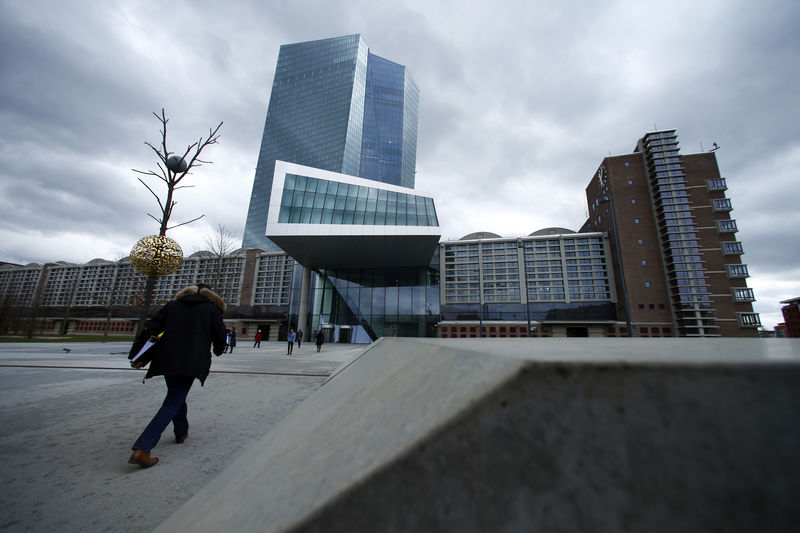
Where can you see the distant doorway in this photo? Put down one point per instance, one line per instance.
(577, 332)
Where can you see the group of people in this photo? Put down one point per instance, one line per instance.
(177, 343)
(293, 337)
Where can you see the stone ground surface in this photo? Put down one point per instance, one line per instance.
(68, 419)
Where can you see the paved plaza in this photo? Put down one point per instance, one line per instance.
(68, 420)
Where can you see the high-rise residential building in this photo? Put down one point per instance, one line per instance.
(677, 261)
(335, 106)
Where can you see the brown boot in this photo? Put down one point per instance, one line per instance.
(142, 459)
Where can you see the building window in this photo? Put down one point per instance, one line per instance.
(749, 320)
(721, 205)
(635, 220)
(627, 164)
(726, 226)
(717, 184)
(633, 200)
(737, 271)
(640, 241)
(644, 261)
(743, 295)
(732, 248)
(646, 283)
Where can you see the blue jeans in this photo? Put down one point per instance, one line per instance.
(173, 410)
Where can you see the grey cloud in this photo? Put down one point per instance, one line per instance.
(519, 105)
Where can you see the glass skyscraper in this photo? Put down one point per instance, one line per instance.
(335, 106)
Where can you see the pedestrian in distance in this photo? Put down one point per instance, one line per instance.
(232, 341)
(291, 337)
(257, 343)
(227, 340)
(299, 337)
(320, 340)
(191, 325)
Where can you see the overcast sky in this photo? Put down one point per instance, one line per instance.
(519, 103)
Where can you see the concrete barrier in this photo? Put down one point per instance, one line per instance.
(528, 435)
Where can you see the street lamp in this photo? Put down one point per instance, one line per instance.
(607, 199)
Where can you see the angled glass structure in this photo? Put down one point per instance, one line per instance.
(326, 219)
(335, 106)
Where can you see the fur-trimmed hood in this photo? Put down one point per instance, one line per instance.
(206, 293)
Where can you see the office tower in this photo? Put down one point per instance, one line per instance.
(677, 261)
(337, 107)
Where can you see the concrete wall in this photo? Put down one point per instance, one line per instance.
(528, 435)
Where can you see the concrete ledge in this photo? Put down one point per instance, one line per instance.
(525, 435)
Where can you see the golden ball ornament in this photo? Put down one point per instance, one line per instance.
(156, 255)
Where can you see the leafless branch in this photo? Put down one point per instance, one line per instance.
(221, 242)
(187, 222)
(192, 158)
(160, 205)
(199, 146)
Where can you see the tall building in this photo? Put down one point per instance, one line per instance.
(678, 263)
(335, 106)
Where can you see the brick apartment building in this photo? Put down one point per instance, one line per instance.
(678, 267)
(791, 317)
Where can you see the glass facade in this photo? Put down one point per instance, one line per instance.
(678, 234)
(320, 109)
(564, 269)
(308, 200)
(530, 279)
(361, 305)
(535, 312)
(387, 144)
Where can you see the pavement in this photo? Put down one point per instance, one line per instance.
(69, 413)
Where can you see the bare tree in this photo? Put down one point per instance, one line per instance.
(172, 169)
(220, 244)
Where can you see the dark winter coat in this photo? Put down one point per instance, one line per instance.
(191, 323)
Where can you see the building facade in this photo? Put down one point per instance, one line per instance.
(335, 106)
(363, 250)
(791, 317)
(677, 261)
(106, 296)
(552, 283)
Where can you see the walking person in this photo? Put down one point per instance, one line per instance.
(299, 337)
(232, 341)
(320, 340)
(257, 343)
(291, 337)
(191, 324)
(227, 340)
